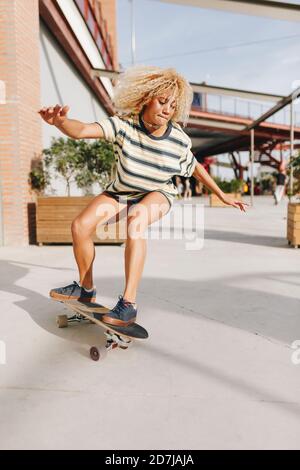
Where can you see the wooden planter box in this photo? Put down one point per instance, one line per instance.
(54, 216)
(216, 202)
(293, 224)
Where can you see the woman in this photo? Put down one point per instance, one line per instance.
(150, 148)
(280, 183)
(187, 191)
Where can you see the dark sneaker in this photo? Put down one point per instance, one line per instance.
(123, 314)
(73, 292)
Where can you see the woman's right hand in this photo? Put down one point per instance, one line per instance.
(55, 116)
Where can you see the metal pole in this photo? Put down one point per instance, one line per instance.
(252, 164)
(291, 148)
(132, 33)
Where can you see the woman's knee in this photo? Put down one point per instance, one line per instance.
(136, 226)
(80, 228)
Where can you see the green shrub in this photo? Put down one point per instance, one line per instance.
(295, 164)
(38, 177)
(232, 186)
(79, 161)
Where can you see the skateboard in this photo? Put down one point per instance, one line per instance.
(91, 312)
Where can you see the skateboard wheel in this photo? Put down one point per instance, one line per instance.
(62, 321)
(94, 353)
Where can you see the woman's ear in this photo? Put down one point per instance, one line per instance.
(142, 110)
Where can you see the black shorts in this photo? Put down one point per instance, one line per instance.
(130, 199)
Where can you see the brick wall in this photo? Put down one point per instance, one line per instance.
(109, 11)
(20, 126)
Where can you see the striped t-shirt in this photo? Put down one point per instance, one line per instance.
(145, 162)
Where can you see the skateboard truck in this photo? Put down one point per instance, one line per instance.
(116, 336)
(119, 341)
(62, 321)
(113, 340)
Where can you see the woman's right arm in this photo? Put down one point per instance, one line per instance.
(57, 116)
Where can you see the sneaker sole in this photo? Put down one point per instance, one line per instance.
(115, 322)
(62, 297)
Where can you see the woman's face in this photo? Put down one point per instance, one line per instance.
(160, 109)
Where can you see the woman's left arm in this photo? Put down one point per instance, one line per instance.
(202, 175)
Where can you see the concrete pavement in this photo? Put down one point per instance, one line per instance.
(216, 372)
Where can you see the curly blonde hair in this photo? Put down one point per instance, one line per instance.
(136, 86)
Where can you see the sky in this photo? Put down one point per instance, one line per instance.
(169, 30)
(167, 34)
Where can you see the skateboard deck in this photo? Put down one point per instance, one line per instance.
(117, 336)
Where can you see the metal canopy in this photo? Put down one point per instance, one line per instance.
(240, 142)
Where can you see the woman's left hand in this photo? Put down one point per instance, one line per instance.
(234, 203)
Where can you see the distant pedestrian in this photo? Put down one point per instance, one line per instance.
(179, 187)
(187, 191)
(280, 183)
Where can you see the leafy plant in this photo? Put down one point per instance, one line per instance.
(236, 186)
(97, 163)
(267, 181)
(79, 161)
(295, 164)
(38, 177)
(233, 186)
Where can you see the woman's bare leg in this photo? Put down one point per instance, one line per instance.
(99, 211)
(154, 207)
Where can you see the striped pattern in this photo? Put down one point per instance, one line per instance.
(145, 162)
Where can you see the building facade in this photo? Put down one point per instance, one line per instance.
(48, 49)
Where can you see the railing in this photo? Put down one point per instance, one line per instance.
(240, 108)
(98, 29)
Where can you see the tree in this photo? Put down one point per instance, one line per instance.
(97, 162)
(80, 161)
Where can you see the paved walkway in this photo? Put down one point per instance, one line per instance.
(216, 371)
